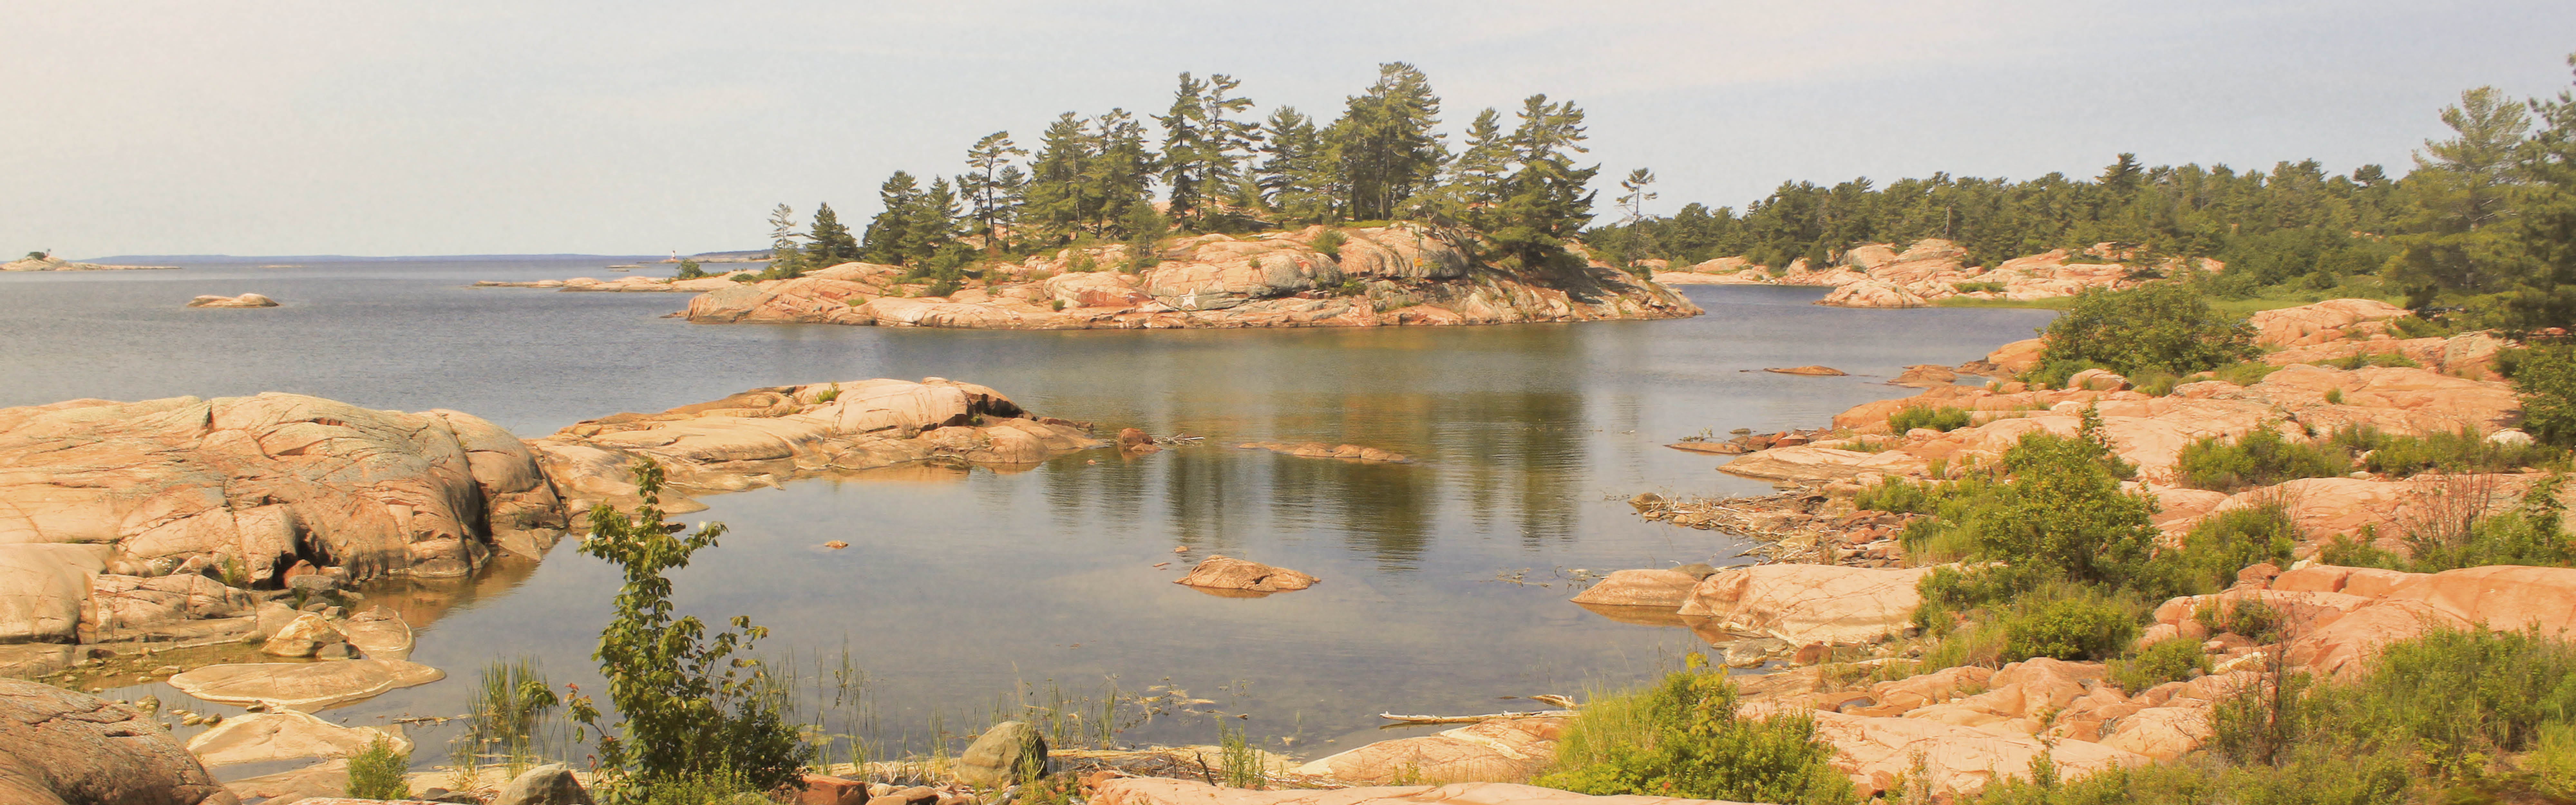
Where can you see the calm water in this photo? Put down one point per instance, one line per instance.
(958, 587)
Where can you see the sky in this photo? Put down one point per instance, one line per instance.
(471, 127)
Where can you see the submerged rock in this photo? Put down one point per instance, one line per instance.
(66, 748)
(244, 300)
(1227, 573)
(301, 685)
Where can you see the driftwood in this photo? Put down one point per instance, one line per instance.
(1544, 698)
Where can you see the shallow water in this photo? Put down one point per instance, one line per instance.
(1444, 579)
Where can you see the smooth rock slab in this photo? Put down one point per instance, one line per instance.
(379, 634)
(284, 735)
(306, 686)
(1161, 791)
(244, 300)
(1494, 751)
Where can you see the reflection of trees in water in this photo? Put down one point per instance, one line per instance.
(1202, 485)
(1519, 457)
(422, 601)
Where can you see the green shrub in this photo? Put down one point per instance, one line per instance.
(2367, 360)
(689, 270)
(2259, 458)
(2076, 627)
(2252, 619)
(2358, 550)
(376, 772)
(2169, 660)
(2545, 378)
(2155, 382)
(2223, 544)
(1682, 738)
(2163, 326)
(1329, 243)
(746, 278)
(1943, 419)
(2463, 451)
(690, 708)
(1976, 287)
(2529, 535)
(1057, 305)
(2246, 373)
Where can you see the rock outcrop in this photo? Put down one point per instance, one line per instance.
(259, 483)
(51, 263)
(244, 300)
(1376, 276)
(306, 686)
(1498, 750)
(705, 284)
(1166, 791)
(1879, 276)
(284, 735)
(66, 748)
(1805, 604)
(767, 436)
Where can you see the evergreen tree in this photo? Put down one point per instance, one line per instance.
(1123, 175)
(991, 185)
(1055, 198)
(1295, 175)
(932, 222)
(2464, 187)
(1200, 145)
(1385, 145)
(2544, 230)
(831, 241)
(888, 239)
(786, 258)
(1634, 195)
(1544, 202)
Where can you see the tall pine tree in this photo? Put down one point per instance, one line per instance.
(990, 185)
(1057, 200)
(1545, 200)
(831, 243)
(888, 237)
(1385, 143)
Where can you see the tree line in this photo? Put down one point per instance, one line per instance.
(1218, 167)
(2480, 228)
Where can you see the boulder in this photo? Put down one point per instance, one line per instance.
(2316, 323)
(1805, 604)
(284, 735)
(1166, 791)
(1227, 573)
(303, 637)
(244, 300)
(378, 633)
(261, 482)
(67, 748)
(1499, 750)
(1005, 754)
(306, 686)
(1666, 589)
(550, 784)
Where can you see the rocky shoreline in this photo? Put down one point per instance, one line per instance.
(1827, 602)
(1397, 275)
(1878, 275)
(50, 263)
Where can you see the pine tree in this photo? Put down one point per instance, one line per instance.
(933, 221)
(786, 258)
(989, 185)
(1634, 195)
(1123, 175)
(1544, 201)
(1187, 149)
(887, 235)
(1055, 194)
(832, 243)
(2465, 186)
(1295, 175)
(1385, 143)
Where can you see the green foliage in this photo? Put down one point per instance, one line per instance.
(2462, 451)
(2528, 535)
(2163, 326)
(2244, 374)
(2262, 457)
(689, 270)
(830, 243)
(1943, 419)
(828, 395)
(1143, 245)
(376, 772)
(506, 718)
(689, 707)
(2070, 628)
(1329, 243)
(2224, 543)
(39, 255)
(2169, 660)
(2545, 379)
(1682, 738)
(1977, 287)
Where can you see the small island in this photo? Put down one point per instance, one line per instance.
(46, 261)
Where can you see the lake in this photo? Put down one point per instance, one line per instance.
(1444, 580)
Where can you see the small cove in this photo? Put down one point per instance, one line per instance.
(959, 586)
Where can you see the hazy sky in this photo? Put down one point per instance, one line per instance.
(199, 127)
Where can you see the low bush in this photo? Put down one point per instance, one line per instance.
(1977, 287)
(2221, 545)
(376, 772)
(1943, 419)
(2076, 626)
(2529, 535)
(2244, 374)
(2170, 660)
(1329, 243)
(2367, 360)
(1682, 738)
(2259, 458)
(2164, 325)
(2545, 378)
(2462, 451)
